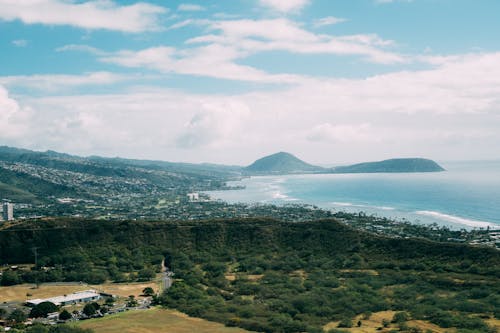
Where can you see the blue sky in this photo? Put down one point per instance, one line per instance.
(230, 81)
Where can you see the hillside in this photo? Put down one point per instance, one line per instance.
(269, 275)
(42, 177)
(392, 165)
(280, 163)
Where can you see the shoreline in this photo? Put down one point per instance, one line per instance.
(269, 190)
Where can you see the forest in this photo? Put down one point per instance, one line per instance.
(269, 275)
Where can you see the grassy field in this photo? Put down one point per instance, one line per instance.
(19, 293)
(155, 320)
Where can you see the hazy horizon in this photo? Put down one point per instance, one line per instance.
(332, 82)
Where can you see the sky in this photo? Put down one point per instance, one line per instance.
(229, 81)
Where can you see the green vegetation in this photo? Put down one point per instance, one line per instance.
(43, 309)
(281, 163)
(55, 329)
(64, 315)
(392, 165)
(148, 291)
(286, 277)
(91, 309)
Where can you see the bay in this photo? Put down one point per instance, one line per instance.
(466, 195)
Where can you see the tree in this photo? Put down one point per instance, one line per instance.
(110, 301)
(148, 291)
(65, 315)
(131, 302)
(43, 309)
(400, 317)
(17, 316)
(346, 322)
(3, 313)
(9, 278)
(90, 309)
(146, 274)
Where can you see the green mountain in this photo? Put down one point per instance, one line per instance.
(392, 165)
(281, 163)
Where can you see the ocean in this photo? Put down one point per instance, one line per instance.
(466, 195)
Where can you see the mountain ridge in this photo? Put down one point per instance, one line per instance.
(280, 163)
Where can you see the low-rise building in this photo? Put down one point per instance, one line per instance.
(78, 297)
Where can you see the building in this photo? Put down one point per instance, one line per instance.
(193, 196)
(8, 211)
(78, 297)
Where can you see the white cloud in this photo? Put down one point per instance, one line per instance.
(285, 6)
(212, 60)
(217, 55)
(80, 48)
(11, 117)
(344, 133)
(98, 14)
(188, 7)
(58, 82)
(255, 36)
(329, 20)
(20, 42)
(218, 125)
(448, 112)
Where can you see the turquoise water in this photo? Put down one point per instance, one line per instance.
(467, 195)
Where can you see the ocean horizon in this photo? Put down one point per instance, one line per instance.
(466, 195)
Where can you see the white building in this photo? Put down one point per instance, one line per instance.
(193, 196)
(78, 297)
(8, 211)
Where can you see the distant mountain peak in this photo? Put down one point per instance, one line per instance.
(392, 165)
(281, 163)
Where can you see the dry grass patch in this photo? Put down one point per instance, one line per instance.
(251, 277)
(155, 320)
(371, 272)
(375, 321)
(230, 277)
(125, 289)
(18, 293)
(425, 325)
(494, 323)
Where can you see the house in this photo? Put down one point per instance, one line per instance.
(78, 297)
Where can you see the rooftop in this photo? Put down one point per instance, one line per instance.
(74, 297)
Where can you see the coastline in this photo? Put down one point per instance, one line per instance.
(276, 190)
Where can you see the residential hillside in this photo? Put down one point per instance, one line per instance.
(33, 177)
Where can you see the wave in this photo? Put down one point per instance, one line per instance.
(350, 204)
(347, 204)
(279, 195)
(456, 219)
